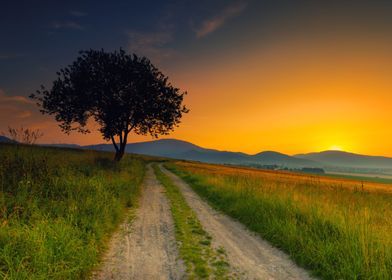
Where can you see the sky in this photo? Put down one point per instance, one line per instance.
(288, 76)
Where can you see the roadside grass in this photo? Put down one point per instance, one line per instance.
(58, 207)
(336, 231)
(202, 261)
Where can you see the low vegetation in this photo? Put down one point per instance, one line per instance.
(58, 207)
(337, 228)
(365, 179)
(202, 261)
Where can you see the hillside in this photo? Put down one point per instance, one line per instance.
(4, 139)
(179, 149)
(339, 158)
(332, 161)
(270, 157)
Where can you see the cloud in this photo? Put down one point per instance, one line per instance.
(67, 25)
(16, 110)
(78, 13)
(16, 99)
(24, 114)
(153, 45)
(10, 56)
(212, 24)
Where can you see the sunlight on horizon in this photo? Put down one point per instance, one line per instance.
(335, 148)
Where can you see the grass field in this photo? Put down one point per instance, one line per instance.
(364, 178)
(337, 228)
(58, 207)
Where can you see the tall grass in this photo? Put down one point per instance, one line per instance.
(57, 207)
(337, 231)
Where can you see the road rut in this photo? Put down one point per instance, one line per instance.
(145, 248)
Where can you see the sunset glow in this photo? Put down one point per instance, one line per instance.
(299, 83)
(335, 148)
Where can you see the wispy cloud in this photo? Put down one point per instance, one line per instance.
(153, 45)
(67, 25)
(10, 56)
(78, 13)
(17, 98)
(24, 114)
(14, 109)
(214, 23)
(157, 44)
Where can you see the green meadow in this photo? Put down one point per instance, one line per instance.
(332, 228)
(58, 208)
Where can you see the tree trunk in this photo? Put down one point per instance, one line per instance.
(119, 155)
(120, 149)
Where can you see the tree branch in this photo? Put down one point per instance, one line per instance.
(125, 137)
(130, 129)
(121, 138)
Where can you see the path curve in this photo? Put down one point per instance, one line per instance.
(146, 248)
(251, 256)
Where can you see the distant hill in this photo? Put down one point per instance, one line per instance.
(4, 139)
(345, 159)
(73, 146)
(163, 147)
(331, 161)
(179, 149)
(270, 157)
(173, 148)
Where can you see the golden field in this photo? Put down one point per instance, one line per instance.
(286, 177)
(337, 228)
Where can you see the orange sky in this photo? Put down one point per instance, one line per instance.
(291, 94)
(275, 99)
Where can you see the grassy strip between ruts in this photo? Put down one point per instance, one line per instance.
(333, 232)
(58, 208)
(201, 259)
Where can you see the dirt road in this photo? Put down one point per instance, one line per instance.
(247, 253)
(147, 248)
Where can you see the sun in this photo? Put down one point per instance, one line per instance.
(335, 148)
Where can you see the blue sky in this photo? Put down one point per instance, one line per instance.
(39, 37)
(42, 36)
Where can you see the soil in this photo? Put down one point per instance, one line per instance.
(145, 248)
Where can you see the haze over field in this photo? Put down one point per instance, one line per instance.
(294, 77)
(331, 161)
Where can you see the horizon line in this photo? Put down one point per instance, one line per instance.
(262, 151)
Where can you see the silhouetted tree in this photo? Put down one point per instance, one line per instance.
(121, 92)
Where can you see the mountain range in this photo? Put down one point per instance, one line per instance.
(179, 149)
(342, 159)
(334, 161)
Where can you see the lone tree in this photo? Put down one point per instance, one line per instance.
(121, 92)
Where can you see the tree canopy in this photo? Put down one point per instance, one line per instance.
(121, 92)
